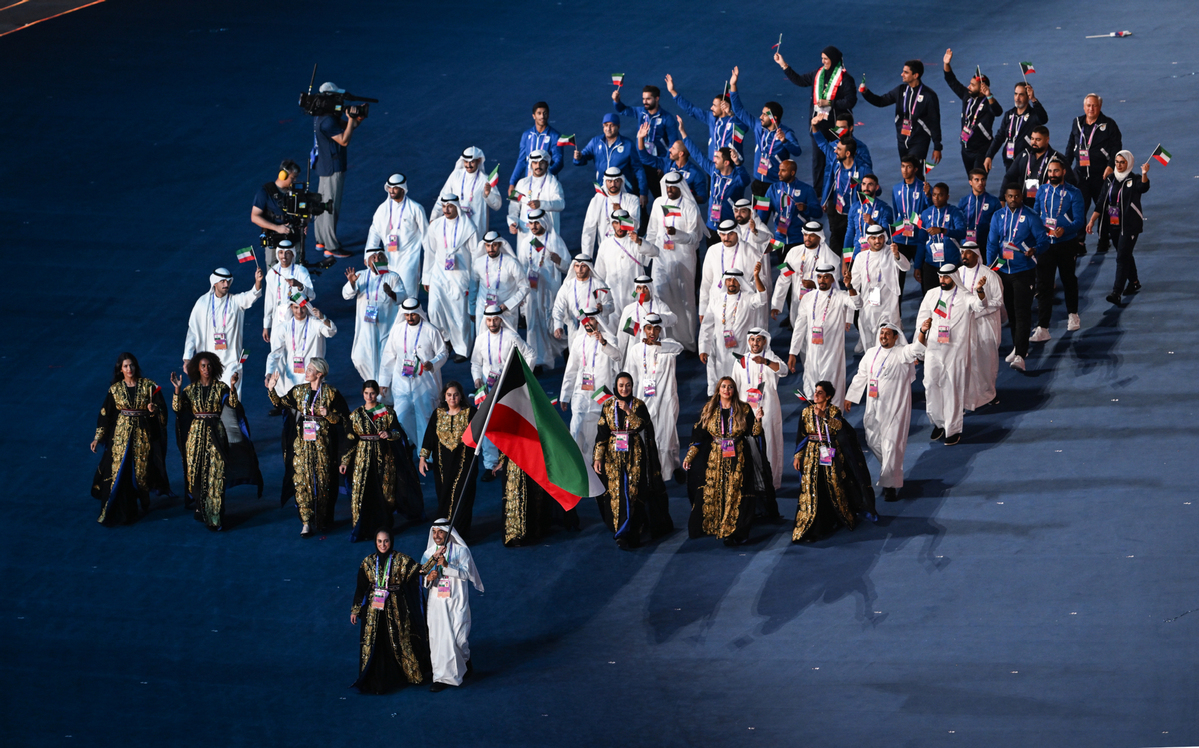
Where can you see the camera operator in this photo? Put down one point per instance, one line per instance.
(333, 133)
(267, 213)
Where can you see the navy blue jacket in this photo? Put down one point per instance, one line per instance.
(622, 154)
(530, 141)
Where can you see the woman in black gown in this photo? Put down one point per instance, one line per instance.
(443, 452)
(394, 646)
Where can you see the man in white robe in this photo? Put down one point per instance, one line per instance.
(988, 329)
(217, 322)
(676, 230)
(621, 258)
(876, 274)
(544, 257)
(475, 194)
(411, 369)
(884, 376)
(539, 190)
(449, 243)
(753, 233)
(283, 279)
(377, 293)
(597, 225)
(797, 276)
(497, 338)
(581, 289)
(726, 323)
(632, 317)
(757, 375)
(592, 365)
(951, 309)
(295, 340)
(651, 362)
(398, 228)
(825, 315)
(499, 279)
(729, 254)
(448, 614)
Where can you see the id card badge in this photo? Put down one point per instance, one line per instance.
(393, 242)
(763, 166)
(451, 263)
(753, 395)
(730, 340)
(971, 235)
(909, 230)
(817, 336)
(714, 213)
(533, 278)
(492, 299)
(409, 368)
(826, 455)
(905, 129)
(667, 242)
(1011, 150)
(297, 365)
(1084, 157)
(875, 296)
(588, 381)
(649, 390)
(621, 440)
(943, 334)
(840, 203)
(492, 377)
(311, 429)
(1030, 188)
(966, 131)
(218, 341)
(1113, 216)
(1009, 251)
(443, 588)
(379, 599)
(727, 448)
(872, 388)
(938, 250)
(1050, 224)
(370, 314)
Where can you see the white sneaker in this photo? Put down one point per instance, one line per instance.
(305, 530)
(1011, 356)
(1073, 323)
(1018, 363)
(1039, 335)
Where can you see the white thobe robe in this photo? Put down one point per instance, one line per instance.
(597, 225)
(538, 305)
(832, 311)
(573, 297)
(501, 281)
(675, 265)
(727, 315)
(877, 270)
(946, 365)
(637, 313)
(717, 261)
(277, 291)
(587, 356)
(761, 377)
(370, 337)
(888, 415)
(399, 229)
(449, 289)
(619, 261)
(293, 339)
(472, 203)
(758, 244)
(655, 364)
(804, 261)
(984, 342)
(448, 616)
(486, 365)
(415, 396)
(226, 316)
(547, 191)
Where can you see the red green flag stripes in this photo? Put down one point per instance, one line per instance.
(1162, 155)
(599, 188)
(626, 223)
(928, 166)
(618, 79)
(1026, 68)
(245, 355)
(738, 133)
(672, 211)
(776, 245)
(377, 412)
(786, 270)
(566, 140)
(632, 327)
(246, 254)
(942, 309)
(847, 253)
(761, 203)
(602, 395)
(494, 177)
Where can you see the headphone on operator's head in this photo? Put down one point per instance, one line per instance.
(287, 168)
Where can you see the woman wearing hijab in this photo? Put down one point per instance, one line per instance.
(1120, 205)
(729, 478)
(320, 410)
(450, 567)
(626, 456)
(833, 92)
(450, 460)
(394, 647)
(132, 427)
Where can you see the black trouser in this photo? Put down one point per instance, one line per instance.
(908, 251)
(930, 278)
(915, 146)
(1059, 258)
(654, 177)
(838, 224)
(973, 160)
(818, 164)
(759, 188)
(1126, 264)
(1092, 190)
(1017, 299)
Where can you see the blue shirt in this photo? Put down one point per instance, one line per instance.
(838, 180)
(694, 176)
(622, 154)
(725, 189)
(532, 140)
(720, 129)
(663, 129)
(977, 212)
(1025, 230)
(330, 157)
(953, 221)
(785, 199)
(1060, 207)
(266, 202)
(861, 157)
(907, 199)
(769, 149)
(879, 212)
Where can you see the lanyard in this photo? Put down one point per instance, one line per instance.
(490, 360)
(382, 581)
(391, 207)
(725, 308)
(1061, 200)
(280, 285)
(828, 302)
(1014, 123)
(224, 312)
(622, 249)
(378, 279)
(653, 126)
(761, 370)
(446, 240)
(723, 267)
(415, 343)
(1011, 225)
(498, 271)
(594, 350)
(949, 308)
(1091, 137)
(725, 182)
(878, 279)
(907, 201)
(651, 374)
(575, 291)
(875, 372)
(303, 340)
(977, 105)
(313, 398)
(915, 96)
(768, 141)
(729, 431)
(462, 193)
(978, 217)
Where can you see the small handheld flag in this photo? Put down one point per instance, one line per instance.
(599, 189)
(928, 166)
(157, 389)
(566, 140)
(978, 72)
(1026, 68)
(738, 133)
(761, 203)
(786, 270)
(847, 253)
(245, 355)
(618, 79)
(245, 254)
(516, 195)
(298, 298)
(632, 327)
(800, 395)
(671, 211)
(626, 223)
(999, 262)
(381, 265)
(740, 359)
(861, 87)
(494, 177)
(942, 309)
(480, 394)
(377, 412)
(1162, 155)
(1111, 34)
(778, 46)
(776, 245)
(602, 395)
(536, 243)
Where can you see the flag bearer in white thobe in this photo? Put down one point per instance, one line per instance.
(951, 309)
(475, 194)
(295, 340)
(824, 317)
(499, 279)
(217, 322)
(798, 275)
(757, 376)
(632, 317)
(283, 279)
(876, 274)
(544, 257)
(988, 329)
(540, 190)
(730, 254)
(581, 289)
(726, 323)
(597, 225)
(593, 363)
(621, 258)
(885, 375)
(449, 242)
(398, 228)
(677, 238)
(411, 369)
(377, 292)
(651, 363)
(754, 234)
(487, 363)
(448, 614)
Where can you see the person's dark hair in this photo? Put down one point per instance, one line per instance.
(289, 166)
(452, 384)
(193, 366)
(849, 144)
(871, 176)
(740, 409)
(916, 66)
(1019, 85)
(775, 108)
(1019, 188)
(371, 384)
(828, 388)
(977, 172)
(117, 375)
(726, 153)
(657, 92)
(843, 116)
(986, 80)
(941, 186)
(541, 105)
(723, 97)
(387, 531)
(910, 159)
(1041, 130)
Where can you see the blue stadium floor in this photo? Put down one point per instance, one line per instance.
(1029, 593)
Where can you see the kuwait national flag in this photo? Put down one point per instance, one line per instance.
(480, 395)
(1026, 68)
(761, 203)
(738, 133)
(536, 244)
(632, 327)
(602, 395)
(494, 177)
(1162, 155)
(618, 79)
(298, 298)
(786, 270)
(246, 254)
(520, 421)
(377, 412)
(847, 253)
(626, 223)
(566, 140)
(928, 166)
(865, 198)
(897, 230)
(245, 355)
(672, 211)
(599, 188)
(942, 309)
(776, 245)
(999, 262)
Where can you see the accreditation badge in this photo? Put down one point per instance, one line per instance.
(971, 235)
(588, 382)
(763, 166)
(1011, 150)
(451, 263)
(492, 299)
(297, 365)
(938, 250)
(753, 395)
(311, 429)
(905, 129)
(409, 368)
(1084, 157)
(379, 599)
(649, 389)
(875, 296)
(728, 448)
(1113, 216)
(730, 340)
(966, 132)
(621, 440)
(218, 341)
(714, 213)
(370, 314)
(817, 336)
(1050, 224)
(1030, 188)
(872, 388)
(826, 455)
(393, 242)
(1009, 251)
(533, 278)
(943, 334)
(443, 588)
(493, 376)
